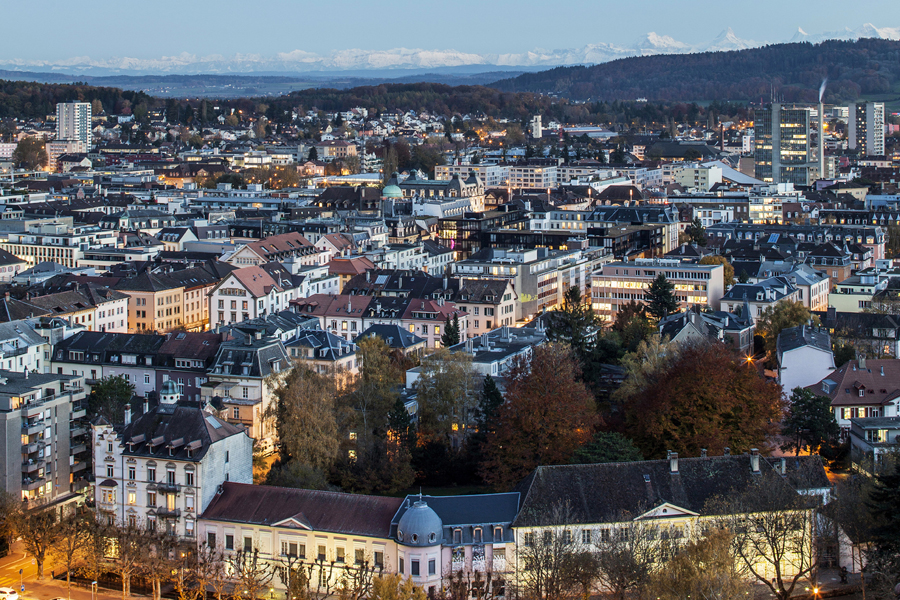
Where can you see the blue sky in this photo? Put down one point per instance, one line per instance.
(55, 30)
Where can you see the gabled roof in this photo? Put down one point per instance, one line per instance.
(605, 493)
(335, 512)
(393, 335)
(798, 337)
(147, 281)
(878, 380)
(171, 431)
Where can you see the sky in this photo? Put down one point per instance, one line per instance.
(57, 30)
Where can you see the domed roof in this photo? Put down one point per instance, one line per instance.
(419, 526)
(391, 191)
(168, 389)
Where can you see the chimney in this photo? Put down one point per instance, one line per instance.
(673, 463)
(146, 406)
(702, 452)
(258, 334)
(754, 461)
(727, 451)
(862, 362)
(882, 371)
(249, 340)
(782, 467)
(128, 414)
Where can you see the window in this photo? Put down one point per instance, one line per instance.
(414, 568)
(189, 478)
(132, 498)
(132, 473)
(236, 411)
(109, 471)
(401, 565)
(229, 542)
(432, 567)
(211, 539)
(146, 377)
(567, 536)
(585, 536)
(189, 504)
(170, 476)
(476, 535)
(227, 454)
(321, 555)
(359, 556)
(340, 555)
(248, 543)
(151, 499)
(529, 539)
(151, 473)
(109, 447)
(289, 549)
(189, 528)
(498, 534)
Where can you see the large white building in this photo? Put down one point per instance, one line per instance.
(73, 122)
(163, 469)
(866, 131)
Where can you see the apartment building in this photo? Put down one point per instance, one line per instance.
(43, 435)
(866, 128)
(251, 292)
(490, 175)
(73, 122)
(162, 469)
(618, 283)
(56, 242)
(155, 302)
(532, 176)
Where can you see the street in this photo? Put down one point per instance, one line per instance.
(46, 588)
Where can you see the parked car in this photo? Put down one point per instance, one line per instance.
(7, 593)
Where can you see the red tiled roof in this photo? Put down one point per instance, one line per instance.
(878, 389)
(350, 266)
(336, 512)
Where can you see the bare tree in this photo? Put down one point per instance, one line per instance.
(772, 532)
(705, 568)
(39, 530)
(96, 549)
(199, 570)
(129, 540)
(552, 564)
(629, 552)
(157, 560)
(74, 538)
(251, 574)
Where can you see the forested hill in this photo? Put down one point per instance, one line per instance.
(28, 99)
(795, 71)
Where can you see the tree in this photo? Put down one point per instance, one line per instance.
(809, 422)
(681, 408)
(651, 358)
(704, 568)
(313, 153)
(39, 530)
(374, 395)
(552, 565)
(574, 323)
(251, 574)
(198, 571)
(401, 426)
(382, 466)
(10, 514)
(73, 539)
(30, 153)
(450, 337)
(884, 504)
(109, 397)
(395, 587)
(660, 297)
(696, 232)
(721, 260)
(607, 447)
(294, 474)
(782, 315)
(447, 394)
(305, 417)
(772, 530)
(547, 415)
(129, 540)
(390, 164)
(628, 555)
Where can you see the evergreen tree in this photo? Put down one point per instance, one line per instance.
(661, 300)
(574, 323)
(884, 504)
(401, 424)
(313, 154)
(489, 405)
(810, 422)
(450, 337)
(697, 232)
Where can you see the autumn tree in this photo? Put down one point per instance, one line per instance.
(374, 393)
(10, 513)
(447, 390)
(109, 397)
(704, 568)
(782, 315)
(660, 297)
(306, 419)
(809, 422)
(395, 587)
(30, 153)
(771, 528)
(721, 260)
(684, 409)
(574, 323)
(547, 415)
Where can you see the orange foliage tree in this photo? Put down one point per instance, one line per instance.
(547, 415)
(706, 398)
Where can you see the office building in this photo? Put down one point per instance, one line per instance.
(866, 131)
(783, 152)
(73, 122)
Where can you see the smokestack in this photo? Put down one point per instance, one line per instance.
(128, 414)
(822, 130)
(754, 460)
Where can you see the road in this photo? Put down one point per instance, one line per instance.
(45, 589)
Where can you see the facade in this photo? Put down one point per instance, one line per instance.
(162, 470)
(43, 435)
(56, 242)
(251, 292)
(73, 122)
(155, 302)
(95, 355)
(490, 175)
(618, 283)
(757, 297)
(862, 389)
(866, 128)
(804, 357)
(783, 149)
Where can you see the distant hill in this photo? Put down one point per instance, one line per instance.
(795, 72)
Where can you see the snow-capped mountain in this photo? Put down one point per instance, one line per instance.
(415, 60)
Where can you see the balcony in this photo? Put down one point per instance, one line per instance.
(78, 430)
(31, 467)
(168, 488)
(32, 428)
(79, 465)
(32, 447)
(29, 484)
(168, 513)
(77, 449)
(78, 411)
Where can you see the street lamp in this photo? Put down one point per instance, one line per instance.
(93, 589)
(21, 584)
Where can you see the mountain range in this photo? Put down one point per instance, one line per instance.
(357, 61)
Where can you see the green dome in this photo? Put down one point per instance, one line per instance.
(391, 191)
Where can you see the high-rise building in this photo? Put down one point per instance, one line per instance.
(73, 122)
(783, 153)
(867, 128)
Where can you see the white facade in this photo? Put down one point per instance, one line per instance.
(73, 122)
(490, 175)
(803, 366)
(532, 176)
(112, 316)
